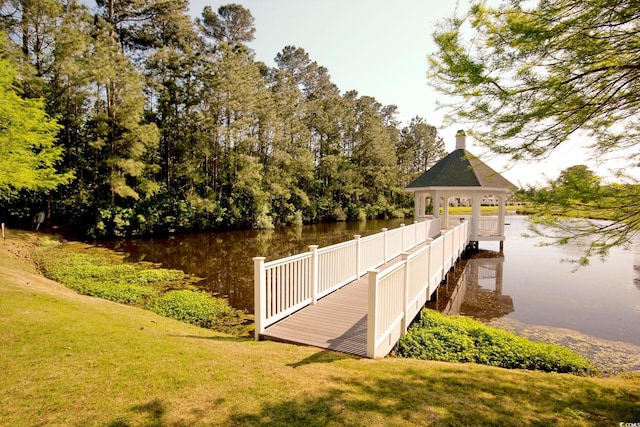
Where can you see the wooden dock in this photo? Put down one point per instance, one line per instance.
(358, 296)
(337, 322)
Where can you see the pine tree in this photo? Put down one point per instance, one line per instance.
(419, 148)
(121, 136)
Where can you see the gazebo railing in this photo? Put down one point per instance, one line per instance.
(487, 225)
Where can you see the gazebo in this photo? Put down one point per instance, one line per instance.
(462, 176)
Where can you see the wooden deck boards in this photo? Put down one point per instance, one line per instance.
(337, 322)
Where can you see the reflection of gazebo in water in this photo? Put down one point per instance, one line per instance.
(473, 296)
(463, 176)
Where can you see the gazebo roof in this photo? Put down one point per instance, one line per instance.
(460, 169)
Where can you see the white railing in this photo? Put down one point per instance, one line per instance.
(394, 243)
(372, 252)
(488, 226)
(284, 286)
(397, 293)
(454, 220)
(337, 266)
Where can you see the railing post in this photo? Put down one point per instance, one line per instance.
(372, 333)
(405, 302)
(443, 261)
(358, 263)
(385, 240)
(313, 280)
(453, 249)
(428, 242)
(259, 289)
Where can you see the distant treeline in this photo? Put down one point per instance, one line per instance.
(169, 124)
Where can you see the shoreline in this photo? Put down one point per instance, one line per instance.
(611, 357)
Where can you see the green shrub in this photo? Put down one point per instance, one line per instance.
(100, 273)
(356, 213)
(105, 276)
(124, 293)
(461, 339)
(198, 308)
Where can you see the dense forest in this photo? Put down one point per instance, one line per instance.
(168, 124)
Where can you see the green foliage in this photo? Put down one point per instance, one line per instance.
(106, 276)
(28, 154)
(529, 81)
(198, 308)
(522, 73)
(103, 274)
(174, 126)
(419, 149)
(156, 216)
(460, 339)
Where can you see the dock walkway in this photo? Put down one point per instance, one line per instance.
(337, 322)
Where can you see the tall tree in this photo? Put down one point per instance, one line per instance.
(373, 154)
(69, 81)
(236, 94)
(28, 155)
(122, 139)
(32, 25)
(293, 161)
(420, 148)
(173, 66)
(232, 24)
(530, 76)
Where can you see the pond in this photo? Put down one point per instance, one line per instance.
(532, 285)
(529, 284)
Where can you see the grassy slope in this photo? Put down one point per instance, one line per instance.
(72, 360)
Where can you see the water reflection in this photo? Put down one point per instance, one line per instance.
(536, 287)
(478, 291)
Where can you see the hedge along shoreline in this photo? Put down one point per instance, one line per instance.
(439, 337)
(171, 293)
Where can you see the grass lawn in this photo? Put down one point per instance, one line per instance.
(68, 359)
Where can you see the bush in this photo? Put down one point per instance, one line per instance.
(461, 339)
(356, 213)
(123, 293)
(198, 308)
(99, 275)
(103, 274)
